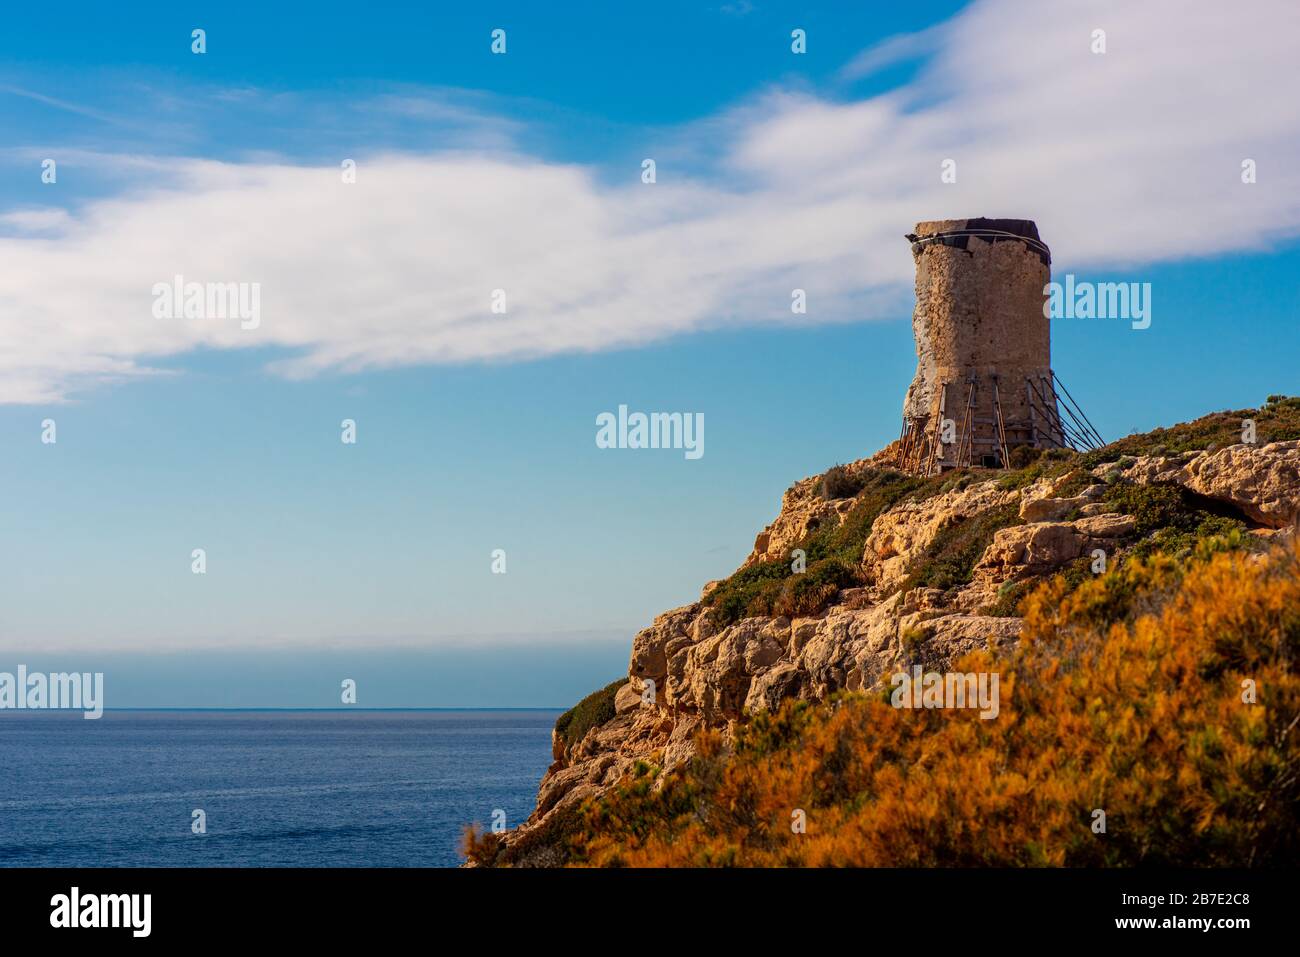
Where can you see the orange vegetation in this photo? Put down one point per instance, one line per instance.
(1130, 695)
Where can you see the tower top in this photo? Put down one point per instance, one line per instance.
(958, 233)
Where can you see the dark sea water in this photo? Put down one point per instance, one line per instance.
(302, 788)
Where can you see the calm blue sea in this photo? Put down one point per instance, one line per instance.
(303, 788)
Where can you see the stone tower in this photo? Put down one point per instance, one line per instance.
(984, 383)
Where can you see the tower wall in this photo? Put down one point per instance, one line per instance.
(983, 344)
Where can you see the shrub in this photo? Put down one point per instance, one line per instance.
(549, 845)
(591, 712)
(1214, 533)
(1172, 518)
(1160, 505)
(839, 482)
(747, 592)
(912, 641)
(810, 592)
(1022, 456)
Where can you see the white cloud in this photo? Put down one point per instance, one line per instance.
(896, 49)
(1122, 158)
(41, 219)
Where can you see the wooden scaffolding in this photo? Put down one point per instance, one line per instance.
(978, 435)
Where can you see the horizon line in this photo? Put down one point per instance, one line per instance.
(218, 708)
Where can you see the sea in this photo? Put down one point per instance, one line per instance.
(274, 788)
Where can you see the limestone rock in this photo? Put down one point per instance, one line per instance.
(952, 636)
(1262, 481)
(901, 534)
(1043, 547)
(1105, 526)
(803, 510)
(1042, 502)
(627, 698)
(649, 658)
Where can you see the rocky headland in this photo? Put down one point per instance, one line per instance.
(866, 570)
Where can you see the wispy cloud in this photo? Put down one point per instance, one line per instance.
(738, 8)
(39, 220)
(897, 49)
(66, 106)
(1127, 157)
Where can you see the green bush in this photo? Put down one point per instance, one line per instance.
(752, 587)
(1156, 506)
(839, 482)
(591, 712)
(810, 592)
(1167, 509)
(1022, 456)
(1214, 533)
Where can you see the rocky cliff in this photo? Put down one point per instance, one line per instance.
(866, 571)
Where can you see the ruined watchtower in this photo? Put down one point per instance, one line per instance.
(984, 382)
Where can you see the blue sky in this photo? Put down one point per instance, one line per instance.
(476, 431)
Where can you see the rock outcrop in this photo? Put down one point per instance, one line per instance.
(900, 535)
(804, 509)
(1259, 481)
